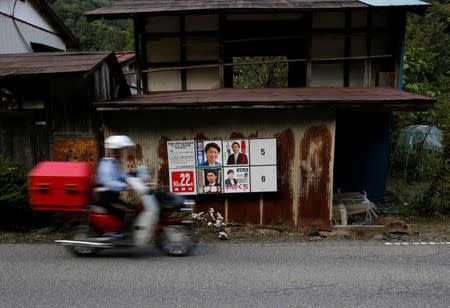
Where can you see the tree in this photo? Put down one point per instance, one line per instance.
(427, 72)
(114, 35)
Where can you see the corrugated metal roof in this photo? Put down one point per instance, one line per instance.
(376, 98)
(127, 7)
(49, 63)
(125, 56)
(394, 2)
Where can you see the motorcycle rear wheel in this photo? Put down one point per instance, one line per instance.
(84, 231)
(177, 241)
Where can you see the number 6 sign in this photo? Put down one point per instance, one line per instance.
(263, 178)
(183, 181)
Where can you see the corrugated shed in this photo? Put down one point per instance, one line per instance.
(152, 130)
(49, 63)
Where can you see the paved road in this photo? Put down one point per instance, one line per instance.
(338, 274)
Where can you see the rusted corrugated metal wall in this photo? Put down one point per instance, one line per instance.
(75, 150)
(305, 145)
(315, 156)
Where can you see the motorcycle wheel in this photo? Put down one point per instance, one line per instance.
(84, 231)
(176, 241)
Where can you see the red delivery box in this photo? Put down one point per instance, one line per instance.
(60, 186)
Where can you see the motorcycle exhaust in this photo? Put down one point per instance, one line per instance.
(83, 243)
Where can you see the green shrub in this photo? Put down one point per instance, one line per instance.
(15, 211)
(13, 183)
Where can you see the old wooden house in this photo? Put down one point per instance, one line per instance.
(343, 76)
(46, 104)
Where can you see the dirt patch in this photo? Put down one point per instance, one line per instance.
(395, 228)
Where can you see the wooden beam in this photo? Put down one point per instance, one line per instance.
(347, 48)
(183, 52)
(166, 68)
(308, 30)
(368, 62)
(221, 52)
(138, 49)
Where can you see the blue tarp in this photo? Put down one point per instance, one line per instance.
(413, 135)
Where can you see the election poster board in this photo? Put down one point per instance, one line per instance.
(222, 166)
(209, 153)
(236, 179)
(181, 154)
(209, 180)
(235, 152)
(183, 181)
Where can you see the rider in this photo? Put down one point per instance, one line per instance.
(110, 176)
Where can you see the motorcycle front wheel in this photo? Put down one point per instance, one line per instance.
(177, 240)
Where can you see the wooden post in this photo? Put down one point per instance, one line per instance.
(261, 208)
(221, 53)
(399, 43)
(368, 62)
(183, 51)
(308, 34)
(138, 48)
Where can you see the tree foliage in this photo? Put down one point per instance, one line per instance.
(114, 35)
(269, 72)
(427, 72)
(13, 183)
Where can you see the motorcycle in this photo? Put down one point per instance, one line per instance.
(173, 233)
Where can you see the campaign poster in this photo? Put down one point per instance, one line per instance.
(181, 154)
(235, 152)
(236, 179)
(208, 153)
(209, 180)
(182, 181)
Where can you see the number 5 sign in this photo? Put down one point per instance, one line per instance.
(183, 181)
(263, 152)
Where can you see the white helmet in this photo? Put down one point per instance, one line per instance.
(118, 142)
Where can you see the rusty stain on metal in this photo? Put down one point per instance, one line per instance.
(163, 172)
(315, 151)
(200, 136)
(235, 135)
(253, 135)
(75, 150)
(139, 155)
(278, 206)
